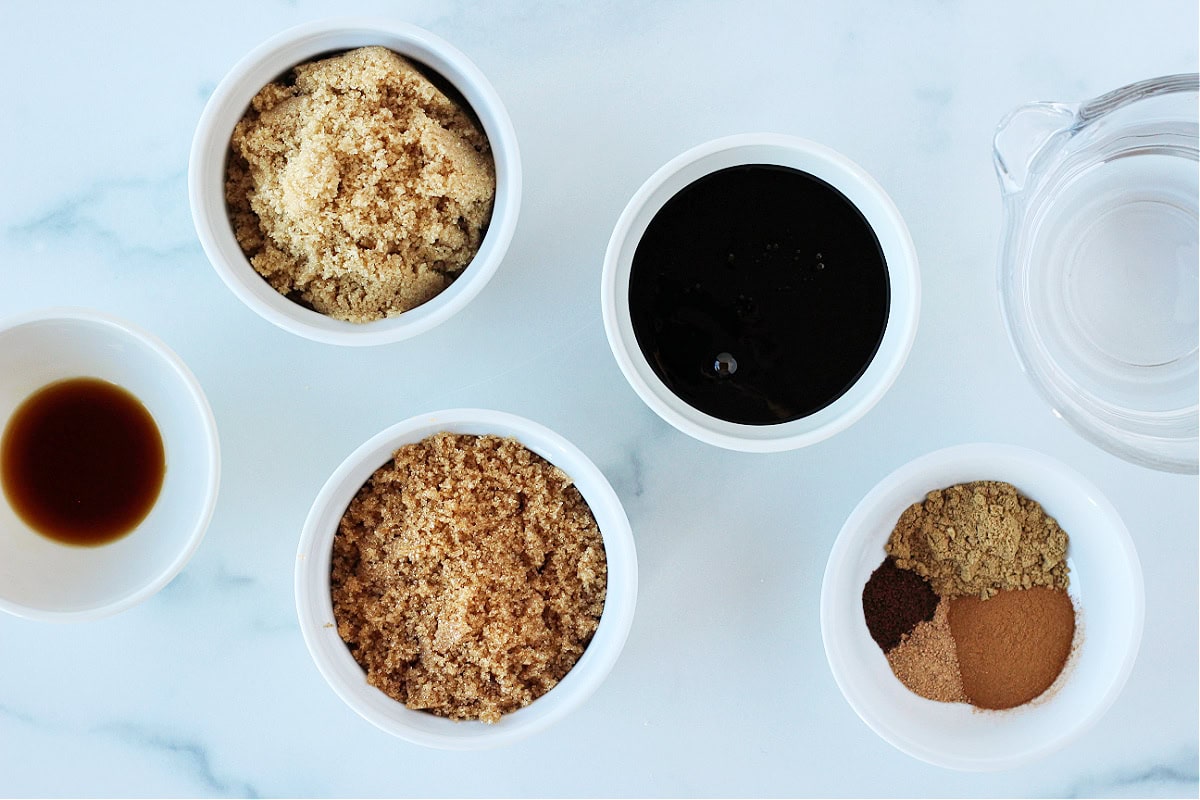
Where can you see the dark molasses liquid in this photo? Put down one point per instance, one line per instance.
(759, 294)
(82, 461)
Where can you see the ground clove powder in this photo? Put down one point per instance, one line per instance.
(894, 601)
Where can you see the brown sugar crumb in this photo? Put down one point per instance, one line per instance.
(468, 576)
(357, 187)
(926, 660)
(980, 538)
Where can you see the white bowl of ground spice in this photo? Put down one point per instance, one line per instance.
(355, 181)
(982, 607)
(465, 579)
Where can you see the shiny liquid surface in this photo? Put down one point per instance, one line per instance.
(1113, 283)
(82, 461)
(759, 294)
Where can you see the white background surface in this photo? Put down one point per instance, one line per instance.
(723, 688)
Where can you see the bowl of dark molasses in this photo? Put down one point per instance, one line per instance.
(760, 292)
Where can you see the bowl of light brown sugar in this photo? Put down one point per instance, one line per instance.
(982, 607)
(355, 182)
(465, 579)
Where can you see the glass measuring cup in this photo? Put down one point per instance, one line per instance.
(1098, 264)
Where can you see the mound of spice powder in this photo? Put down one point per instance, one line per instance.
(979, 538)
(1012, 646)
(894, 601)
(926, 660)
(970, 604)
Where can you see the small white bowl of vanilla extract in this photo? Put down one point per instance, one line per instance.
(109, 465)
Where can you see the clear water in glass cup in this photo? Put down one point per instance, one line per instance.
(1098, 264)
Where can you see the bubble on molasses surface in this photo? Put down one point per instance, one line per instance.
(724, 365)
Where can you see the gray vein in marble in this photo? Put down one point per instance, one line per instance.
(228, 579)
(628, 477)
(8, 712)
(131, 217)
(1180, 775)
(186, 583)
(189, 751)
(197, 582)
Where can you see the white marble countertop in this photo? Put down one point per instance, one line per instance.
(723, 688)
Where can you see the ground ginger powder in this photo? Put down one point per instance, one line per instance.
(357, 187)
(978, 538)
(468, 576)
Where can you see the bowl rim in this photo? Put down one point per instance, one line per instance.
(314, 605)
(171, 360)
(848, 541)
(225, 106)
(885, 365)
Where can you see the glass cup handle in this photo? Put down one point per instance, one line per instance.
(1023, 134)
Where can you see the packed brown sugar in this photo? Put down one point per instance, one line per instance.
(468, 576)
(357, 187)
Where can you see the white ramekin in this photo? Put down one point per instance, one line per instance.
(1106, 589)
(47, 580)
(315, 606)
(852, 181)
(210, 147)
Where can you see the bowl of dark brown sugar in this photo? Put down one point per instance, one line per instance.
(466, 578)
(982, 607)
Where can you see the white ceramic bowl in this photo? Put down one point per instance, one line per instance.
(210, 147)
(1106, 589)
(44, 579)
(852, 181)
(343, 673)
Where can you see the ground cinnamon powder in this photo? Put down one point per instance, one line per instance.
(1012, 646)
